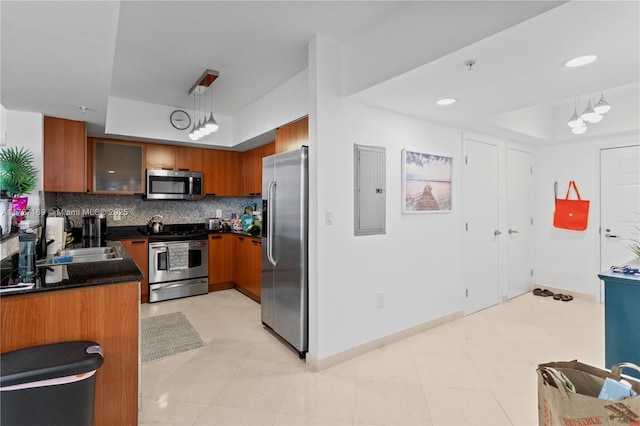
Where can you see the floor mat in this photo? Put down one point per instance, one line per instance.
(167, 335)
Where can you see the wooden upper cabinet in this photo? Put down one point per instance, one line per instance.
(117, 166)
(222, 172)
(252, 168)
(189, 159)
(292, 136)
(173, 157)
(159, 156)
(64, 155)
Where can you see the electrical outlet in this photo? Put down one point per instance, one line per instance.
(117, 215)
(218, 213)
(380, 299)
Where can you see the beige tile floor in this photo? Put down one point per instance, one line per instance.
(478, 370)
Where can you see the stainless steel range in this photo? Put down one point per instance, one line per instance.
(178, 262)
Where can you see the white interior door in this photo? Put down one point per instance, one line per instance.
(481, 236)
(519, 231)
(619, 205)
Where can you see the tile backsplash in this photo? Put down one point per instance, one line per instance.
(136, 211)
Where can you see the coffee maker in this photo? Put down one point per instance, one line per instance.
(94, 230)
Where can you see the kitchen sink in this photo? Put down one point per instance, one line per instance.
(81, 255)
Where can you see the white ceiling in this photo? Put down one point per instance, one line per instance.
(56, 56)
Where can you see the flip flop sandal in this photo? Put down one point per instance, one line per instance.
(567, 298)
(537, 292)
(558, 296)
(546, 293)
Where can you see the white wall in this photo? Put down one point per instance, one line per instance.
(415, 264)
(3, 126)
(564, 259)
(25, 129)
(151, 121)
(282, 105)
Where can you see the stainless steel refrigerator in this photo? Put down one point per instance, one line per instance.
(285, 220)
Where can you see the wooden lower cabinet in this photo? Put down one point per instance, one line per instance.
(106, 314)
(255, 269)
(138, 249)
(247, 266)
(221, 261)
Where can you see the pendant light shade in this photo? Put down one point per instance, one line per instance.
(211, 125)
(579, 130)
(589, 114)
(574, 120)
(597, 118)
(602, 107)
(192, 133)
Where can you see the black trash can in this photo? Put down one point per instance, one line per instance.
(50, 384)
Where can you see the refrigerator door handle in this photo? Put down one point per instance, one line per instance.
(270, 191)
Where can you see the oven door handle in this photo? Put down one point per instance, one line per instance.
(170, 286)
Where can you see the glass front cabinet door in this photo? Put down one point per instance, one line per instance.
(118, 167)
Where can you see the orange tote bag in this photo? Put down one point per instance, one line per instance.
(571, 214)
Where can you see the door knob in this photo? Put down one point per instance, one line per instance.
(607, 235)
(496, 233)
(512, 231)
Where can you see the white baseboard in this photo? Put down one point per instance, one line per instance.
(321, 364)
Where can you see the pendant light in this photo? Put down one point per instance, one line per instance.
(602, 107)
(205, 126)
(596, 118)
(574, 120)
(211, 125)
(579, 129)
(589, 114)
(201, 130)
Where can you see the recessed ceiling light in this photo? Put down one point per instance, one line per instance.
(111, 171)
(446, 101)
(580, 61)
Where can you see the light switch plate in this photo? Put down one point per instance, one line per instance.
(329, 217)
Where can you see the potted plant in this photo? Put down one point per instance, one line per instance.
(18, 176)
(635, 245)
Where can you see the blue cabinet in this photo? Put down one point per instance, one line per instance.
(622, 318)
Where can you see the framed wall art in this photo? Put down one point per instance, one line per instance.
(426, 182)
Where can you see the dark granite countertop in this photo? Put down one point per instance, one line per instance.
(117, 233)
(246, 234)
(87, 274)
(79, 274)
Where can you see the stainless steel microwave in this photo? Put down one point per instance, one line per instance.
(174, 185)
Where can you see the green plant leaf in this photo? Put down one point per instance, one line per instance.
(18, 175)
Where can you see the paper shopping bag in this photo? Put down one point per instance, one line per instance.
(568, 395)
(571, 214)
